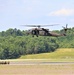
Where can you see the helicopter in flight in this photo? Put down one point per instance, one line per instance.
(39, 31)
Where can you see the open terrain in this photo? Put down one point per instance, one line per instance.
(60, 54)
(60, 62)
(37, 69)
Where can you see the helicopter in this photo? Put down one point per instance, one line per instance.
(39, 31)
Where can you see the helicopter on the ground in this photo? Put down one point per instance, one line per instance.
(38, 31)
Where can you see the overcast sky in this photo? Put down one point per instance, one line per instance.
(14, 13)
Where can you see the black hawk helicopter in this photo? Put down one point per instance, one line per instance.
(38, 31)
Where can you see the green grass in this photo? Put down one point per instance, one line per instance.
(62, 53)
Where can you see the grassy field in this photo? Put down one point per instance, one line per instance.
(63, 55)
(59, 54)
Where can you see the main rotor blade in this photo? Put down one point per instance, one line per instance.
(32, 25)
(39, 25)
(50, 25)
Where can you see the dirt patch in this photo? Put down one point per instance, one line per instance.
(36, 69)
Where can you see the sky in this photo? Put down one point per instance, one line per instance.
(15, 13)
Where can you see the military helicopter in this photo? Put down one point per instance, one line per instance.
(38, 31)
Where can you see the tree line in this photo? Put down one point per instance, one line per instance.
(14, 43)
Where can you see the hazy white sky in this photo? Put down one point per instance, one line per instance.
(14, 13)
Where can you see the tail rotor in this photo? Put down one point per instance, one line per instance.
(65, 28)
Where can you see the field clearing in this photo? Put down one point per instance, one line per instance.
(60, 54)
(36, 69)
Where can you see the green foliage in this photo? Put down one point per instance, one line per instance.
(13, 47)
(14, 43)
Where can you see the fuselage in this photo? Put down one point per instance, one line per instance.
(43, 32)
